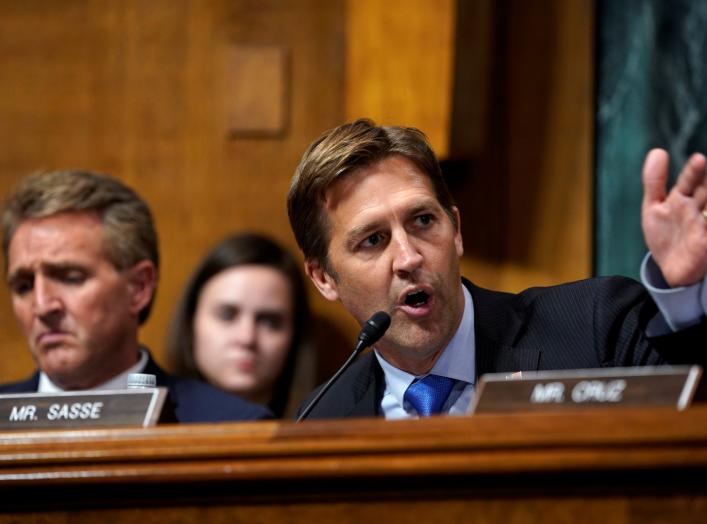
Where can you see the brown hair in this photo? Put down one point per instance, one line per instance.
(129, 233)
(337, 153)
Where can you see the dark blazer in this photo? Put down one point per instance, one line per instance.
(601, 322)
(188, 401)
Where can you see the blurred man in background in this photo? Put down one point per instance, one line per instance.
(81, 262)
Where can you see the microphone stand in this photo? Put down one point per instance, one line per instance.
(372, 331)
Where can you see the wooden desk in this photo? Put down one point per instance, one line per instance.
(593, 466)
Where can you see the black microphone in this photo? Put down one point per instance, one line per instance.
(372, 331)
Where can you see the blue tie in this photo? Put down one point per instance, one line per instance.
(428, 394)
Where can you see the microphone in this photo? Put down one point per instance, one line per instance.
(372, 331)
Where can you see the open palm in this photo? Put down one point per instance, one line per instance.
(674, 226)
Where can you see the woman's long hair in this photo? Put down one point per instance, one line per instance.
(238, 250)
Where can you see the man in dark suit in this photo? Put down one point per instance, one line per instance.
(81, 261)
(379, 231)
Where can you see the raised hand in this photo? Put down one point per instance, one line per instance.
(674, 223)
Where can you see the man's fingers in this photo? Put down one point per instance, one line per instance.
(692, 175)
(700, 195)
(655, 176)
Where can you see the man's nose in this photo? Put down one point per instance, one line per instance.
(407, 257)
(46, 300)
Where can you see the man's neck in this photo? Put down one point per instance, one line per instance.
(115, 381)
(413, 366)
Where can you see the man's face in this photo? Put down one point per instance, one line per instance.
(393, 248)
(78, 312)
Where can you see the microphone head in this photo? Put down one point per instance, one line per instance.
(373, 329)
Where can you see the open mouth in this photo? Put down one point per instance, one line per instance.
(417, 299)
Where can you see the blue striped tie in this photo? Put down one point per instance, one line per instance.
(428, 394)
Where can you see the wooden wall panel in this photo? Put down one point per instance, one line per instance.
(539, 147)
(503, 89)
(399, 64)
(138, 90)
(550, 129)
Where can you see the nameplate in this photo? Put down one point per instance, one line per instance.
(586, 388)
(129, 407)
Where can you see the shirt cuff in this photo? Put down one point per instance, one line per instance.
(681, 307)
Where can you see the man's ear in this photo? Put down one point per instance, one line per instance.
(458, 242)
(142, 280)
(322, 280)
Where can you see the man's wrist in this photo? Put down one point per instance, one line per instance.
(681, 307)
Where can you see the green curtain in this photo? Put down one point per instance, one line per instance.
(651, 92)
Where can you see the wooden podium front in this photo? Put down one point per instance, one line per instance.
(598, 466)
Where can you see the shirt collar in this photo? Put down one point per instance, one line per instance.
(117, 382)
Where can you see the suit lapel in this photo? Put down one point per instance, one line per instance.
(367, 388)
(26, 386)
(498, 327)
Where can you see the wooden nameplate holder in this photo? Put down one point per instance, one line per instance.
(584, 388)
(82, 409)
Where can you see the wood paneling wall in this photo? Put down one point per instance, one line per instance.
(549, 99)
(399, 64)
(504, 90)
(144, 91)
(137, 89)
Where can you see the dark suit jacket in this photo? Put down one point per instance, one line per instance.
(602, 322)
(189, 400)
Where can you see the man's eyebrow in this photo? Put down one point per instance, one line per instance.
(425, 205)
(58, 267)
(51, 268)
(359, 231)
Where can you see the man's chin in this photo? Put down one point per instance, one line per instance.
(68, 380)
(414, 333)
(61, 362)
